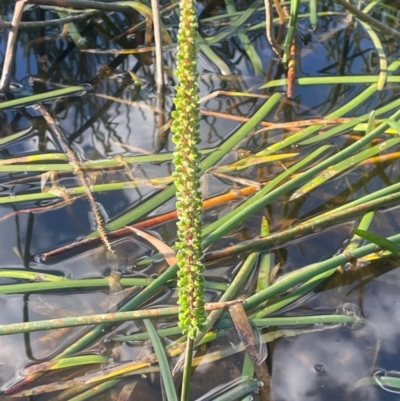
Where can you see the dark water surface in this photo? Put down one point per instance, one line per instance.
(116, 116)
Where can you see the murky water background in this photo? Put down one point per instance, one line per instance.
(318, 365)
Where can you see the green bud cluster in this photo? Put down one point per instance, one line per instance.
(187, 174)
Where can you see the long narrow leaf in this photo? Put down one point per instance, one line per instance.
(163, 361)
(248, 208)
(65, 363)
(357, 79)
(310, 271)
(379, 240)
(345, 164)
(27, 100)
(381, 54)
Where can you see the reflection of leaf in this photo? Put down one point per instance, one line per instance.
(168, 252)
(147, 13)
(379, 240)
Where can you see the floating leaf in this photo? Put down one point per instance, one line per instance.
(64, 363)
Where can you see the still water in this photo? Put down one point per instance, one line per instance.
(118, 115)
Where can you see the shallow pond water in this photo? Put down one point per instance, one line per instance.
(116, 116)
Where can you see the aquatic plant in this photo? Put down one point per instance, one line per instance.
(303, 158)
(187, 174)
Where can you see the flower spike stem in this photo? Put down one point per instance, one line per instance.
(187, 369)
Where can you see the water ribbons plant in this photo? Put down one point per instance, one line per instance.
(187, 174)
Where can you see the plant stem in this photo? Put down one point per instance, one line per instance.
(187, 369)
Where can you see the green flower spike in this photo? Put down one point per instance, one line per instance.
(186, 159)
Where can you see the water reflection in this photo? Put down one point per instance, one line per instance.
(323, 365)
